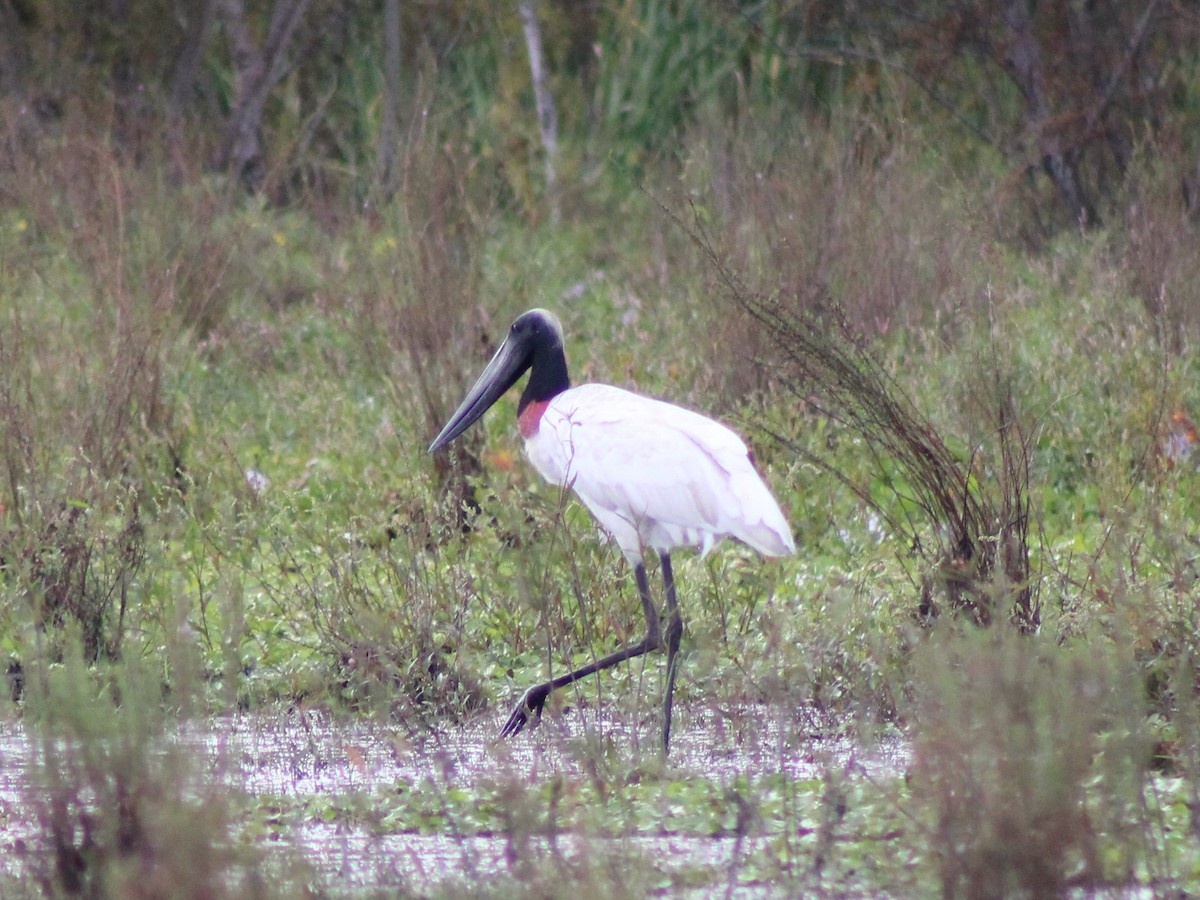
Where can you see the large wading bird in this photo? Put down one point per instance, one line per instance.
(655, 476)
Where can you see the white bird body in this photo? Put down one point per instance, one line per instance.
(653, 474)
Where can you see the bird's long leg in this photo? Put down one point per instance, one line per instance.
(674, 633)
(534, 699)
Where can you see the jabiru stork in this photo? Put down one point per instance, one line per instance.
(654, 475)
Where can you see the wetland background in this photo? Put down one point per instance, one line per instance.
(936, 261)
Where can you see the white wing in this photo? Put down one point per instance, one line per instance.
(656, 475)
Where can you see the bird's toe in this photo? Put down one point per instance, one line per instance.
(530, 705)
(515, 723)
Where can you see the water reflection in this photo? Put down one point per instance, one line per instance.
(300, 755)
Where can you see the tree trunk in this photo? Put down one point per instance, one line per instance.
(389, 125)
(256, 71)
(547, 116)
(187, 65)
(1025, 63)
(14, 60)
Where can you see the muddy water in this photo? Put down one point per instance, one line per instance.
(301, 755)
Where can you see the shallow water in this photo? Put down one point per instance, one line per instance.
(309, 754)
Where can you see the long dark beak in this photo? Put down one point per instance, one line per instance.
(510, 363)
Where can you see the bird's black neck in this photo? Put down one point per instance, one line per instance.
(547, 375)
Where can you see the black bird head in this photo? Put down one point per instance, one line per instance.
(535, 344)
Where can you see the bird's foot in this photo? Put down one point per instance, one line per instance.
(530, 704)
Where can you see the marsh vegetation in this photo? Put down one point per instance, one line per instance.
(938, 265)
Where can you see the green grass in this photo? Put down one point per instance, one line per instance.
(162, 354)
